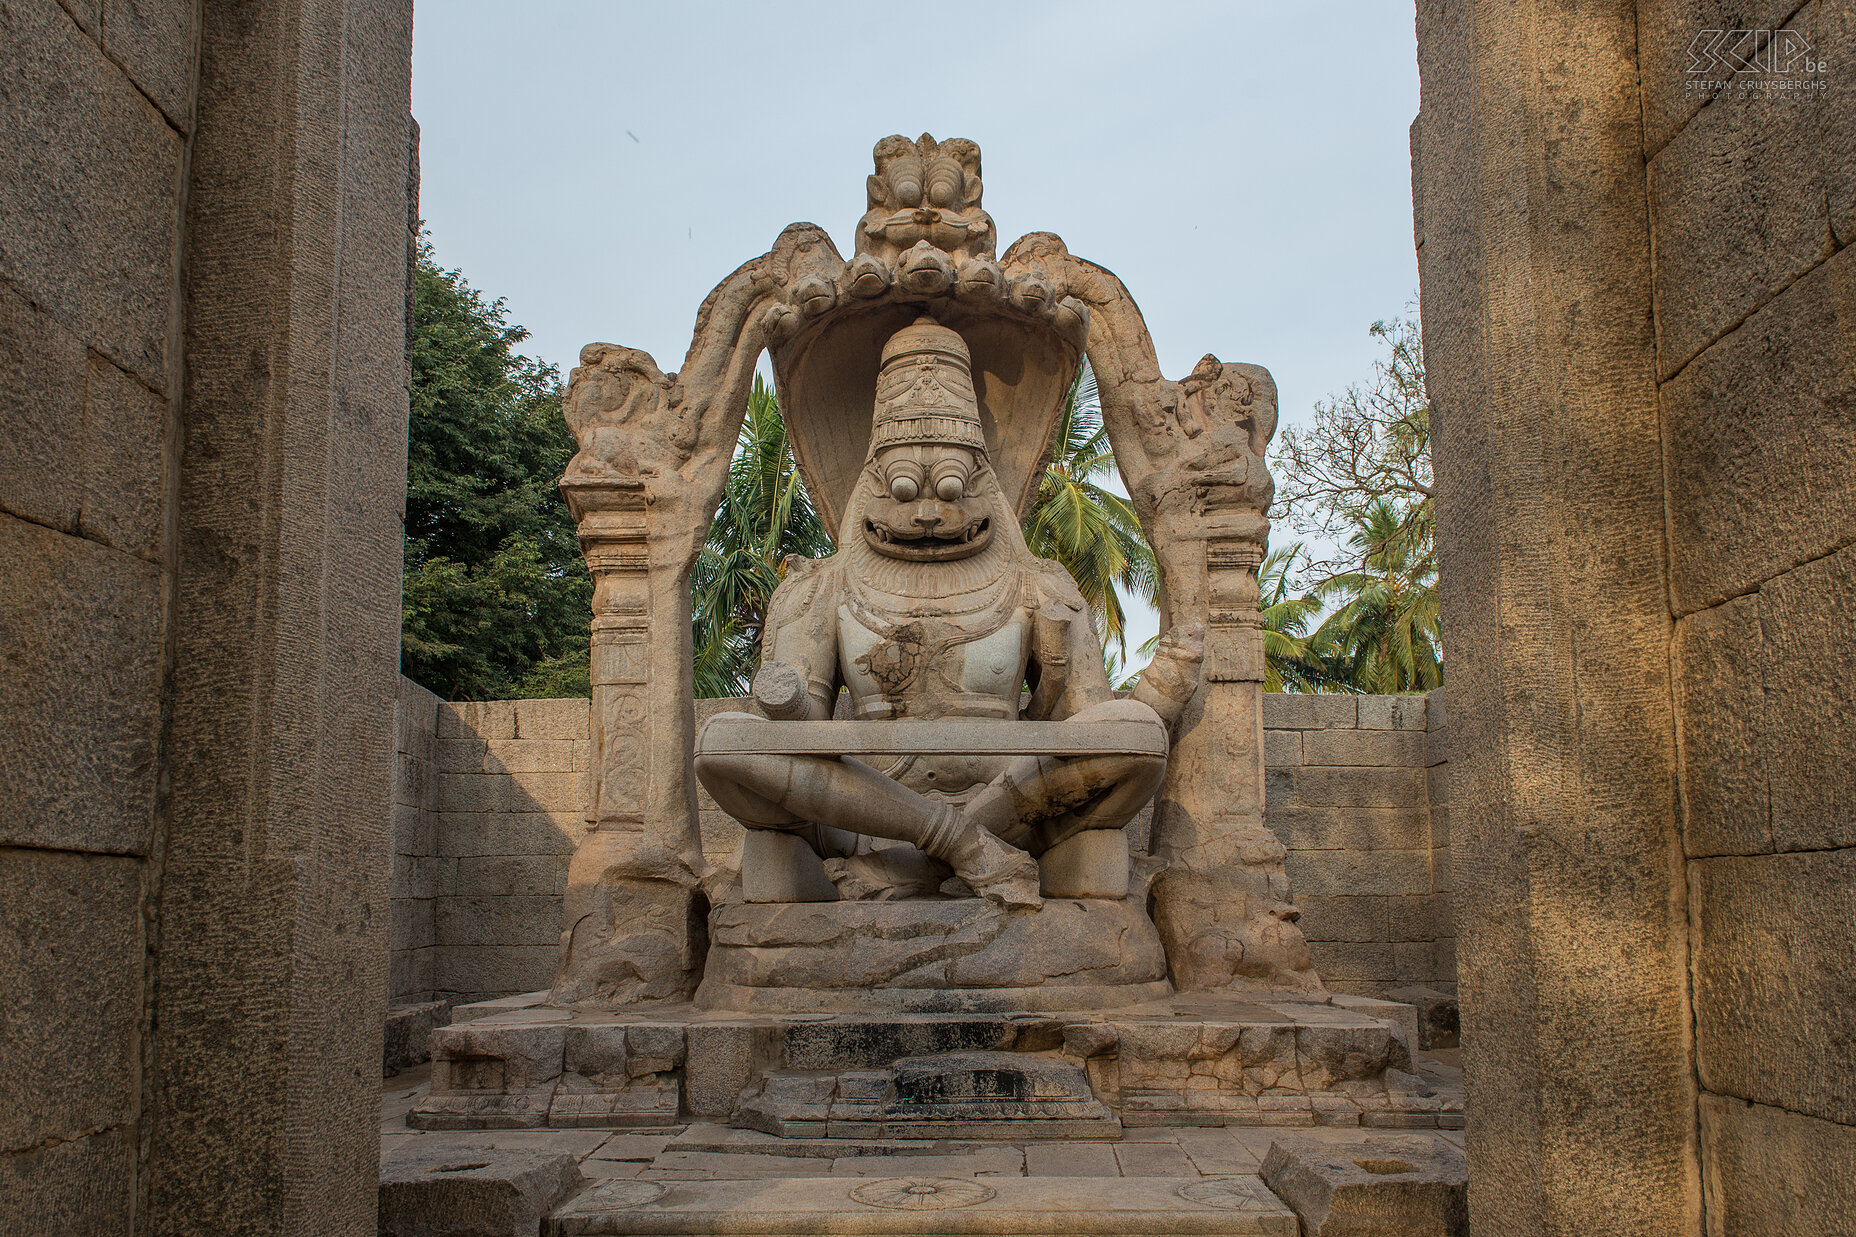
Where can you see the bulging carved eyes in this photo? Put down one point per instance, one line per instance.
(944, 183)
(909, 480)
(905, 177)
(950, 480)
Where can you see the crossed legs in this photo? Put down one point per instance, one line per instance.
(1036, 803)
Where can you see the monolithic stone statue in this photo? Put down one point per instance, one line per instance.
(921, 381)
(934, 609)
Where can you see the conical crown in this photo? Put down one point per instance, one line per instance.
(924, 390)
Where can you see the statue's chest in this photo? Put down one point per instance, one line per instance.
(933, 667)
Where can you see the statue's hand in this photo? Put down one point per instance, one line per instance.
(780, 690)
(1173, 675)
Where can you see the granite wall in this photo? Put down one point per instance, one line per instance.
(1756, 399)
(1349, 790)
(412, 882)
(205, 214)
(1639, 309)
(510, 793)
(1349, 793)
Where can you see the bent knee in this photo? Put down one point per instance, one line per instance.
(702, 734)
(1117, 711)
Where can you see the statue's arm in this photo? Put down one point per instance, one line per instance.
(1088, 680)
(1066, 650)
(798, 680)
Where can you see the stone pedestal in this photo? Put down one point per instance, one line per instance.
(1194, 1059)
(445, 1191)
(964, 954)
(1385, 1187)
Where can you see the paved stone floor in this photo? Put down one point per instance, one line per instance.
(705, 1152)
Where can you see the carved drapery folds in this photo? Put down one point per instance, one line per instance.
(653, 460)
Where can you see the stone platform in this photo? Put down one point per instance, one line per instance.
(963, 955)
(1187, 1060)
(930, 1206)
(706, 1177)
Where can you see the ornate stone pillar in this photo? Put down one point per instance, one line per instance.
(1193, 455)
(653, 461)
(631, 889)
(1223, 906)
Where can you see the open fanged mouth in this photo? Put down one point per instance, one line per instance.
(923, 545)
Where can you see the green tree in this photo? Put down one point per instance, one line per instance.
(1368, 445)
(1361, 471)
(1384, 635)
(1293, 658)
(1090, 530)
(765, 515)
(495, 594)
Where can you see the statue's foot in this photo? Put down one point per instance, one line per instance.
(1002, 874)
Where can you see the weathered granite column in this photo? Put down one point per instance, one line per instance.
(632, 926)
(1534, 252)
(203, 401)
(1223, 905)
(268, 959)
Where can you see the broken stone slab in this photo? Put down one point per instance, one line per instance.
(475, 1110)
(1373, 1187)
(960, 1095)
(980, 1095)
(1398, 1012)
(923, 1206)
(472, 1191)
(407, 1030)
(989, 1086)
(1439, 1023)
(582, 1103)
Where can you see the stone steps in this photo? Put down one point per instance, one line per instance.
(1204, 1059)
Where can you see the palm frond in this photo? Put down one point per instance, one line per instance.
(1091, 531)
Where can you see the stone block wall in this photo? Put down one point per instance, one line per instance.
(88, 389)
(1756, 390)
(1350, 785)
(1348, 789)
(511, 799)
(1633, 227)
(412, 885)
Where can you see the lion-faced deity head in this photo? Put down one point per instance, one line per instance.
(926, 191)
(928, 493)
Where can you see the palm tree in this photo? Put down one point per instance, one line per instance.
(1385, 637)
(1090, 530)
(764, 516)
(1293, 660)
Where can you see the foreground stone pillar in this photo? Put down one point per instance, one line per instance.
(268, 962)
(203, 296)
(1533, 235)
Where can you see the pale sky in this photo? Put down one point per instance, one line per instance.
(1243, 167)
